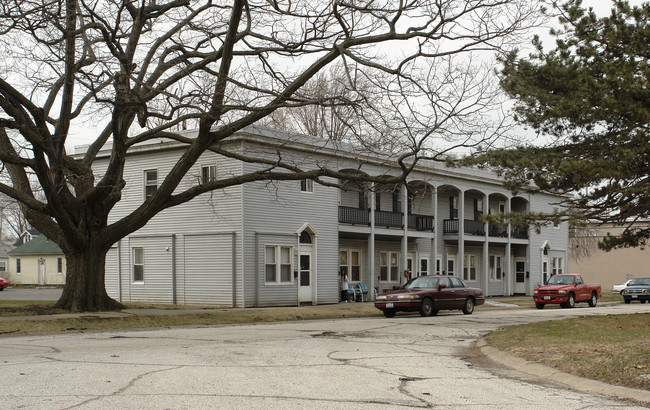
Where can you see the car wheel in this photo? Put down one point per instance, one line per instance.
(627, 301)
(572, 301)
(468, 309)
(539, 305)
(594, 300)
(426, 308)
(643, 301)
(389, 312)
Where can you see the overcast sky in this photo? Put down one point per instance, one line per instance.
(86, 133)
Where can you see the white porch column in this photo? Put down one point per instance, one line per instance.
(460, 256)
(508, 269)
(405, 222)
(371, 243)
(434, 243)
(486, 250)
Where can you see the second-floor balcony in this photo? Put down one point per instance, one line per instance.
(385, 219)
(470, 227)
(354, 216)
(478, 228)
(420, 222)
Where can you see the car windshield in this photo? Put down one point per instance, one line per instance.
(560, 280)
(421, 282)
(640, 281)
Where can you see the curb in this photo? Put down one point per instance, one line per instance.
(572, 381)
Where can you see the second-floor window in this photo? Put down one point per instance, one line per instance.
(453, 207)
(396, 201)
(208, 173)
(150, 182)
(478, 209)
(306, 185)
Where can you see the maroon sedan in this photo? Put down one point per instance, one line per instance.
(3, 283)
(429, 294)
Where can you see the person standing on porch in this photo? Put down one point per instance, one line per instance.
(344, 285)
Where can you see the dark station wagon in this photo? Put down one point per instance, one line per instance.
(429, 294)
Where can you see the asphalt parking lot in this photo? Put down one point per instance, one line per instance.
(373, 363)
(37, 294)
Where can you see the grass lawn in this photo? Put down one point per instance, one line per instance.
(47, 323)
(614, 348)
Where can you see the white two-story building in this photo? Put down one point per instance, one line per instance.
(284, 243)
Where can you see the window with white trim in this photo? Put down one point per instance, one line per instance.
(350, 261)
(496, 267)
(470, 269)
(59, 265)
(138, 264)
(18, 267)
(306, 185)
(388, 266)
(3, 266)
(557, 263)
(208, 173)
(150, 182)
(278, 264)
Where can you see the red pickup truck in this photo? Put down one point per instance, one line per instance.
(567, 290)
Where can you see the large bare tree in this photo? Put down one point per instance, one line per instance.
(145, 67)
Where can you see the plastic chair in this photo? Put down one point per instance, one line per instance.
(354, 292)
(363, 290)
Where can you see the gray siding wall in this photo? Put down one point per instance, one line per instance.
(204, 271)
(208, 273)
(557, 239)
(157, 284)
(273, 215)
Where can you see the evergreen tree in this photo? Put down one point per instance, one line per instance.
(590, 94)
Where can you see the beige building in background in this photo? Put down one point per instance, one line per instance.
(608, 268)
(37, 262)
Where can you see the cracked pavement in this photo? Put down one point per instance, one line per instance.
(404, 362)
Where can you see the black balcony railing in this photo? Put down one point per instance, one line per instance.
(354, 216)
(474, 227)
(519, 231)
(388, 219)
(420, 222)
(450, 226)
(469, 226)
(498, 231)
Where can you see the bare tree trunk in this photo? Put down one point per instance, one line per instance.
(84, 289)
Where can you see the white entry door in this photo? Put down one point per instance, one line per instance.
(305, 274)
(41, 272)
(520, 276)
